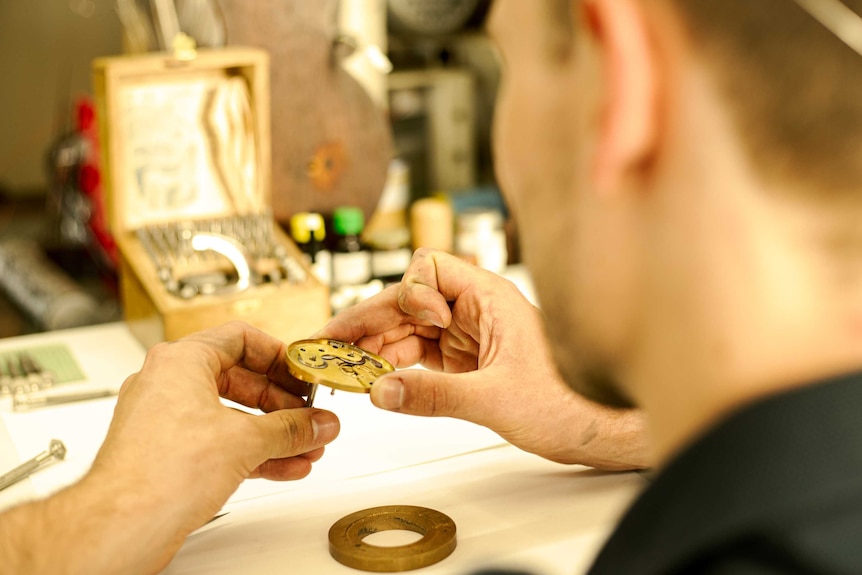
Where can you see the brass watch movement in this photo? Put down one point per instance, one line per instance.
(335, 364)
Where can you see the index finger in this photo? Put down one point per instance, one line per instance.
(250, 366)
(239, 344)
(436, 278)
(373, 316)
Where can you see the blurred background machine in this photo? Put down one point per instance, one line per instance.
(330, 142)
(375, 104)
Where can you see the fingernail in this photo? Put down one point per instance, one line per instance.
(433, 317)
(389, 393)
(324, 426)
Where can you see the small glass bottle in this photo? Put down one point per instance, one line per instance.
(431, 224)
(309, 232)
(351, 262)
(390, 254)
(481, 239)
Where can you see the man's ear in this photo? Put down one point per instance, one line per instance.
(628, 123)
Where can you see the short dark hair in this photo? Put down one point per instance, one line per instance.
(793, 88)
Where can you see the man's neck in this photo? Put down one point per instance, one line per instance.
(749, 307)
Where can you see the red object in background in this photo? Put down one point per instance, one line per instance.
(90, 180)
(85, 114)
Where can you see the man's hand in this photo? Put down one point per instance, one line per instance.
(489, 361)
(173, 455)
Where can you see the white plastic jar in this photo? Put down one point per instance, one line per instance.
(480, 238)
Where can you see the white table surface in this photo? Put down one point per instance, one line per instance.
(512, 509)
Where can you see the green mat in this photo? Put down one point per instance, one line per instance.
(56, 358)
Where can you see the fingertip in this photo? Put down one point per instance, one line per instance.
(314, 455)
(425, 303)
(287, 469)
(388, 393)
(321, 333)
(433, 317)
(325, 426)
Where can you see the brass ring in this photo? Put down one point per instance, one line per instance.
(346, 536)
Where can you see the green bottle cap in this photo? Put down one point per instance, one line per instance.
(348, 220)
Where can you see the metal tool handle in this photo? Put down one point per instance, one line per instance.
(56, 450)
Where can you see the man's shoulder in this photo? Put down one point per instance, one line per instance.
(823, 542)
(826, 543)
(775, 486)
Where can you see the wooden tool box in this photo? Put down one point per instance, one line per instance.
(185, 154)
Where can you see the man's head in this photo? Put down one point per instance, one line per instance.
(671, 163)
(768, 58)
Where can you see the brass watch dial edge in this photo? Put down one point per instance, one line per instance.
(335, 364)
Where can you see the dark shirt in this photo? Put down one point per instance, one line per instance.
(775, 488)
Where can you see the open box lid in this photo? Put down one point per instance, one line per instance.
(183, 139)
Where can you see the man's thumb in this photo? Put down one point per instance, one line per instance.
(290, 432)
(422, 392)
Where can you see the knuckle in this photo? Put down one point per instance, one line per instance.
(238, 326)
(436, 402)
(439, 401)
(404, 296)
(423, 253)
(160, 349)
(296, 435)
(159, 355)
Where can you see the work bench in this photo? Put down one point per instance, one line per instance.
(512, 509)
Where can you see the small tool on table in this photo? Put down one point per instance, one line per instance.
(23, 374)
(27, 401)
(56, 451)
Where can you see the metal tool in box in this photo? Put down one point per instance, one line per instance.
(219, 255)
